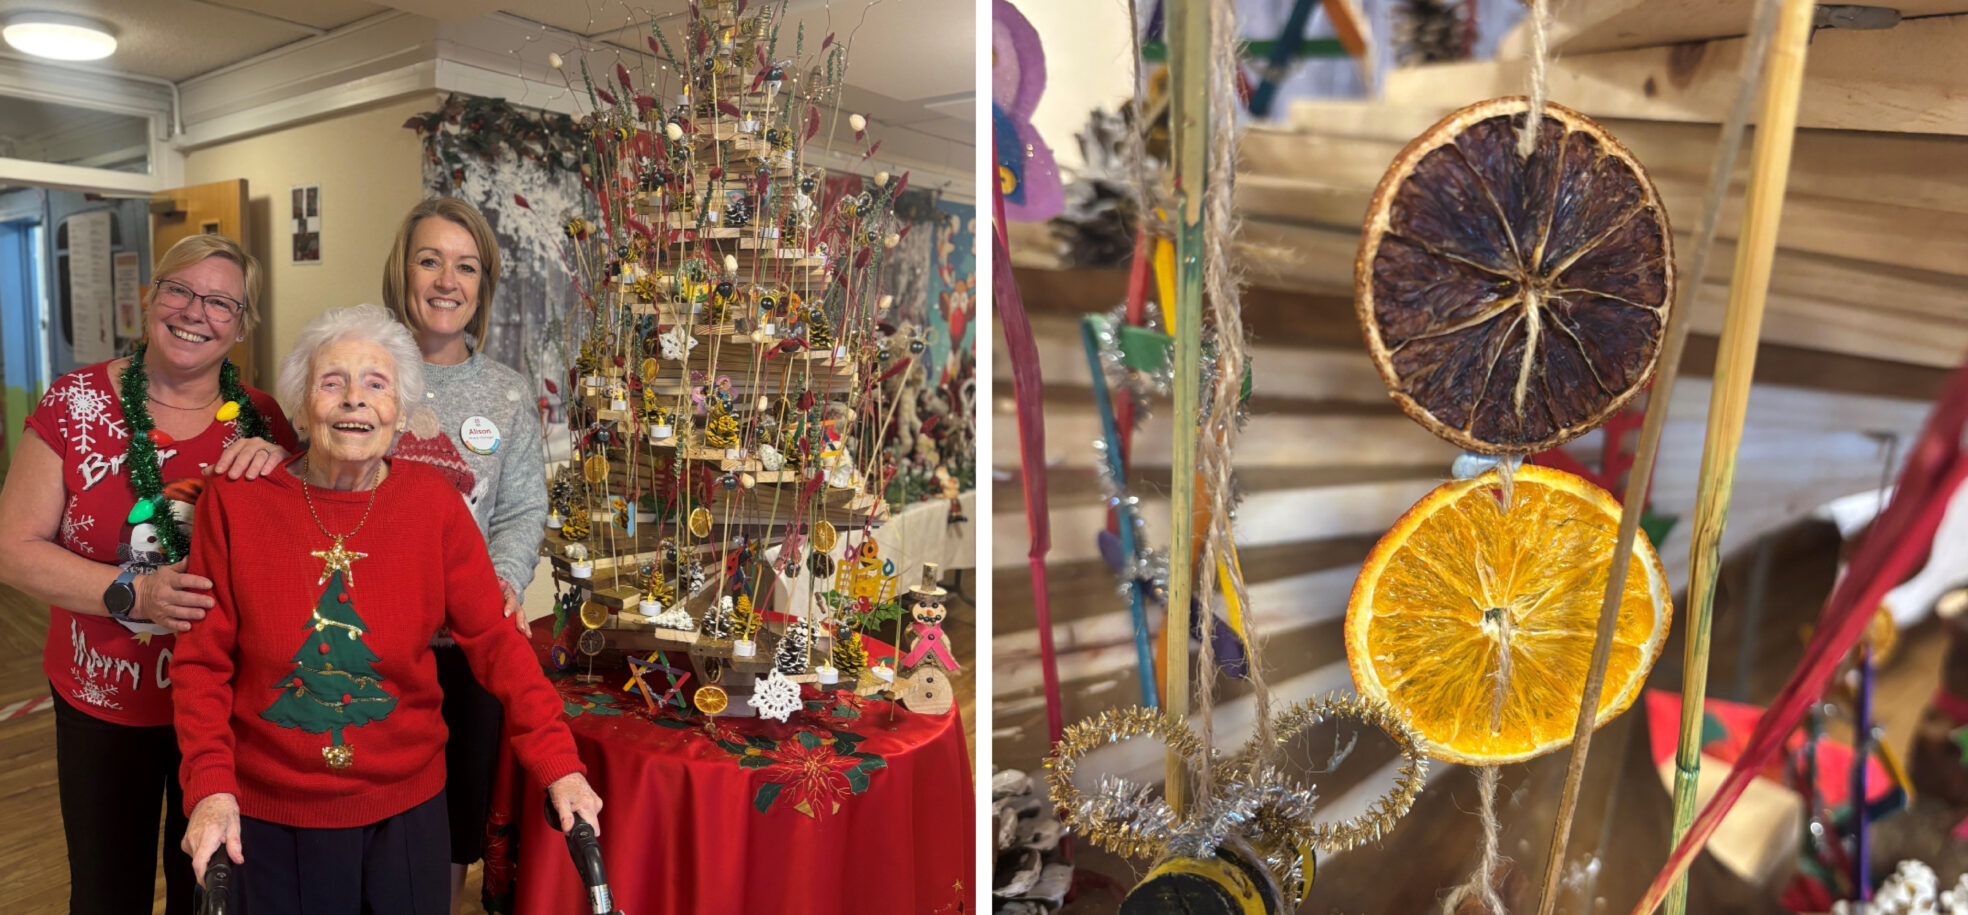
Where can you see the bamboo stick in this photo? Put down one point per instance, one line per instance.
(1189, 41)
(1640, 476)
(1735, 364)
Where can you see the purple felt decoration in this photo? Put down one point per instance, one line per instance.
(1024, 165)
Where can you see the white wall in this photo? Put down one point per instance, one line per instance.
(370, 172)
(1087, 50)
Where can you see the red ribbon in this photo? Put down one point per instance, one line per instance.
(1898, 543)
(929, 641)
(1023, 352)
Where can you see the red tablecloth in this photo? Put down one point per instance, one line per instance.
(851, 805)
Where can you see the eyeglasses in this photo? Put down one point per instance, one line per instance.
(176, 296)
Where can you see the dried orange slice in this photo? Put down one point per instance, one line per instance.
(1477, 624)
(1514, 304)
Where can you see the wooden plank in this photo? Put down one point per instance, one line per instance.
(1897, 236)
(1904, 79)
(1303, 254)
(1586, 26)
(1088, 587)
(1331, 375)
(1305, 647)
(1289, 316)
(1279, 516)
(1273, 315)
(1068, 485)
(1781, 363)
(1270, 440)
(1345, 144)
(1821, 324)
(1103, 645)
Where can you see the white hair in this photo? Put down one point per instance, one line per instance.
(364, 323)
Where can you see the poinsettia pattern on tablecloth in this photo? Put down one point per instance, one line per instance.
(811, 763)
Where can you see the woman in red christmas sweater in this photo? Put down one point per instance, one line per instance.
(95, 521)
(308, 707)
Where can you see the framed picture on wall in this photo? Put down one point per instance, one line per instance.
(306, 223)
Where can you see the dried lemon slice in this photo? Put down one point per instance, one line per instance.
(1512, 304)
(1477, 624)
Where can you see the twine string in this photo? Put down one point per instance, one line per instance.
(1223, 283)
(1540, 51)
(1482, 884)
(1206, 685)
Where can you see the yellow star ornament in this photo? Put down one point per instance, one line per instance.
(338, 558)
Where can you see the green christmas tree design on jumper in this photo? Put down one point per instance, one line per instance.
(334, 684)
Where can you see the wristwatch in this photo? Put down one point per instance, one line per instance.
(121, 596)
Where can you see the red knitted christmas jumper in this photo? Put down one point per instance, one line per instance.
(257, 681)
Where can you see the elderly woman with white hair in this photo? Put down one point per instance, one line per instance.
(307, 701)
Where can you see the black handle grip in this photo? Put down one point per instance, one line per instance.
(218, 883)
(585, 848)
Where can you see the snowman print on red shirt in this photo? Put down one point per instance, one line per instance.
(142, 548)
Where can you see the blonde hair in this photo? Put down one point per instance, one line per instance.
(396, 282)
(190, 251)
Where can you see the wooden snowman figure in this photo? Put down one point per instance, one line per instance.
(924, 684)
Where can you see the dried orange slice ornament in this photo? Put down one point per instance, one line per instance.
(1477, 623)
(1513, 304)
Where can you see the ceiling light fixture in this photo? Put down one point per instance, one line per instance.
(58, 36)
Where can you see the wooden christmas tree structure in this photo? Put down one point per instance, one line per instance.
(726, 316)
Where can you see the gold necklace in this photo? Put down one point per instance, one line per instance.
(336, 557)
(153, 399)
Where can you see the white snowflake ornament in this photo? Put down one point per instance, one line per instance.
(775, 697)
(678, 343)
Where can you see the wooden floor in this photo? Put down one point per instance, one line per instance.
(33, 861)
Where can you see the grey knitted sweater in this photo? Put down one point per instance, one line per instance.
(507, 487)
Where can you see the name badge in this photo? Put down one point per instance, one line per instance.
(480, 435)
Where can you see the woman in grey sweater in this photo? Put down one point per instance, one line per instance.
(478, 426)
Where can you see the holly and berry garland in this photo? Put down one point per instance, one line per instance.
(334, 683)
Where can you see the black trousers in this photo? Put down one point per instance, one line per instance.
(474, 717)
(392, 867)
(113, 778)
